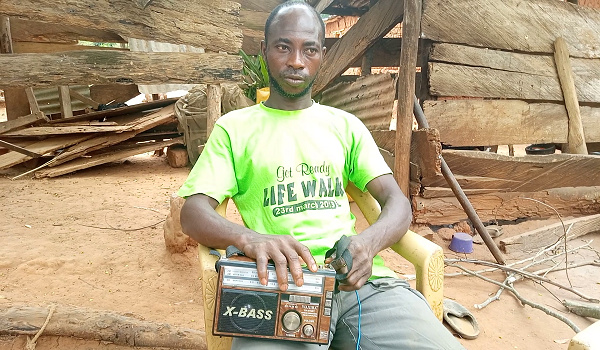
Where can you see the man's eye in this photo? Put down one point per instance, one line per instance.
(312, 50)
(281, 47)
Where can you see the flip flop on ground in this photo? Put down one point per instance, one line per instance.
(460, 319)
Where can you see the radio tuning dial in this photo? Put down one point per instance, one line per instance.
(291, 321)
(308, 330)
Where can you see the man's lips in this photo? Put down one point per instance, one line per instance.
(294, 79)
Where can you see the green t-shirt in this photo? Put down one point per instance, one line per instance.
(286, 172)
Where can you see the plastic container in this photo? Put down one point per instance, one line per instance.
(461, 243)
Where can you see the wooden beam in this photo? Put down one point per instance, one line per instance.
(486, 122)
(117, 93)
(411, 30)
(575, 138)
(547, 235)
(116, 67)
(509, 206)
(65, 130)
(204, 23)
(31, 119)
(508, 25)
(43, 32)
(5, 35)
(371, 26)
(322, 5)
(88, 101)
(426, 152)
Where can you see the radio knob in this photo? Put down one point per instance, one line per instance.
(308, 330)
(291, 321)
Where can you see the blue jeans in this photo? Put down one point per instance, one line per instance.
(394, 316)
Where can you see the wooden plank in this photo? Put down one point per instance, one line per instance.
(508, 25)
(106, 156)
(118, 67)
(35, 47)
(533, 173)
(374, 24)
(15, 99)
(436, 192)
(31, 119)
(457, 80)
(547, 235)
(487, 122)
(43, 32)
(385, 139)
(110, 113)
(411, 30)
(62, 130)
(521, 75)
(86, 100)
(575, 138)
(213, 25)
(41, 147)
(19, 149)
(117, 93)
(64, 100)
(472, 182)
(147, 122)
(509, 205)
(33, 104)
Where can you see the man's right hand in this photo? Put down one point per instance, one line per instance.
(284, 251)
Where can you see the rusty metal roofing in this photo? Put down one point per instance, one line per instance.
(370, 98)
(47, 98)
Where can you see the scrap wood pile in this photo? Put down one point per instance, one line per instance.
(88, 139)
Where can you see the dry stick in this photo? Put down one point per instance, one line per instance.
(523, 273)
(523, 300)
(565, 235)
(122, 229)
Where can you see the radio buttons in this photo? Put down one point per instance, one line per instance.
(327, 311)
(328, 303)
(308, 330)
(291, 321)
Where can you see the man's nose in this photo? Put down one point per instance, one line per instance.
(295, 59)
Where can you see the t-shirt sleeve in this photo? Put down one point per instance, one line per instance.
(366, 161)
(213, 174)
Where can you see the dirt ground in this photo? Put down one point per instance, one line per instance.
(94, 239)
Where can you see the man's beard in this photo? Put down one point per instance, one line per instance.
(283, 93)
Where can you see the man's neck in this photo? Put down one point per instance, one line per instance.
(277, 101)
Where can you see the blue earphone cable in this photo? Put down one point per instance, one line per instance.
(359, 316)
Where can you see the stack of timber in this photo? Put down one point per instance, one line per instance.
(89, 139)
(492, 79)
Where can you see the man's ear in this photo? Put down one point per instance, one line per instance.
(263, 49)
(324, 51)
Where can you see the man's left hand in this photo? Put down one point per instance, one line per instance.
(362, 264)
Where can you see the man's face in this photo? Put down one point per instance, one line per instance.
(293, 52)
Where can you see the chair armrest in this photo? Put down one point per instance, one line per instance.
(428, 260)
(209, 278)
(426, 256)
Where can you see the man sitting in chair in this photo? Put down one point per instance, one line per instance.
(285, 163)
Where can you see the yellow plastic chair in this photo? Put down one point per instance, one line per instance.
(426, 256)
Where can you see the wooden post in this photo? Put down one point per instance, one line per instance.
(64, 99)
(411, 29)
(366, 63)
(16, 105)
(575, 137)
(213, 107)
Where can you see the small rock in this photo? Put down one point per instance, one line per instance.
(446, 233)
(463, 226)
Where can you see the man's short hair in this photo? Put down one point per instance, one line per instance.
(291, 3)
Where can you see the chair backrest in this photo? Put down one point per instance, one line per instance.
(426, 256)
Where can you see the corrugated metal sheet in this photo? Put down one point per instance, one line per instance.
(370, 98)
(47, 98)
(140, 45)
